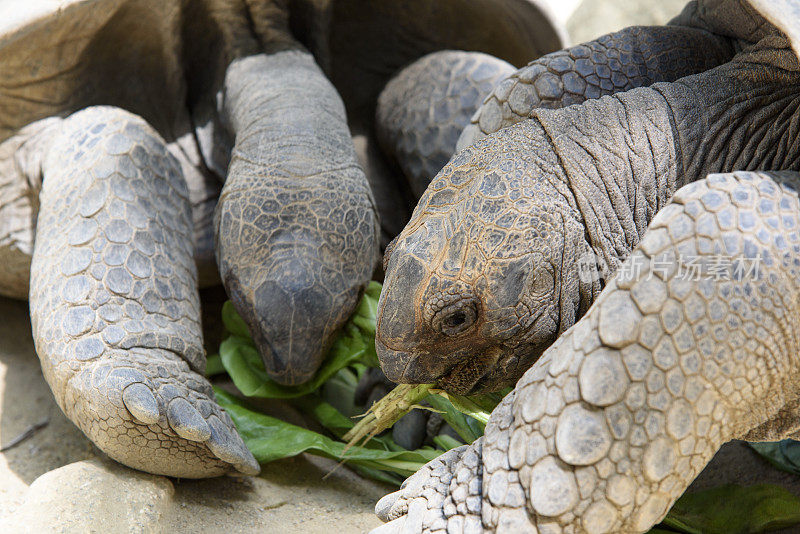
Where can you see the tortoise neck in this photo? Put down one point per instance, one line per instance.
(739, 116)
(619, 160)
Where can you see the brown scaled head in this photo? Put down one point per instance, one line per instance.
(484, 276)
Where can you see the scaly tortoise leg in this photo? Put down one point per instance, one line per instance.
(424, 108)
(638, 56)
(114, 302)
(617, 418)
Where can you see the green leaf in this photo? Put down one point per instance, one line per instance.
(366, 314)
(326, 414)
(784, 455)
(460, 422)
(270, 439)
(376, 474)
(446, 442)
(243, 363)
(487, 402)
(373, 291)
(246, 369)
(233, 321)
(214, 365)
(733, 509)
(467, 405)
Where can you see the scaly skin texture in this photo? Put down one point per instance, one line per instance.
(297, 229)
(484, 276)
(119, 337)
(114, 303)
(422, 111)
(616, 419)
(20, 183)
(634, 57)
(508, 247)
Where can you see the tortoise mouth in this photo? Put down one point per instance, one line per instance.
(403, 367)
(461, 373)
(473, 374)
(457, 384)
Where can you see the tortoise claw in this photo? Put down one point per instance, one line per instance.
(384, 507)
(140, 401)
(186, 421)
(226, 444)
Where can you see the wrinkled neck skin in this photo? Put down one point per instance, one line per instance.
(221, 32)
(624, 156)
(740, 116)
(621, 166)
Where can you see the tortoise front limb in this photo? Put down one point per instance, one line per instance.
(693, 343)
(423, 109)
(114, 303)
(638, 56)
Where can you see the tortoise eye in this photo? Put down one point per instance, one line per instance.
(543, 281)
(456, 318)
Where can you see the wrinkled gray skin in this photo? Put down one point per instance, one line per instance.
(119, 120)
(649, 376)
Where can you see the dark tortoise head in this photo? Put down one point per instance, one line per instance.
(484, 277)
(294, 265)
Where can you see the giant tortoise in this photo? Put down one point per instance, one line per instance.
(119, 122)
(683, 180)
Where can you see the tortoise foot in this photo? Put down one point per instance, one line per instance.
(147, 409)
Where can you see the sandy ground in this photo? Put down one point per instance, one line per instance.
(290, 496)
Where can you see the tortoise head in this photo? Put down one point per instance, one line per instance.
(484, 277)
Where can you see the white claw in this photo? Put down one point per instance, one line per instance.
(226, 445)
(384, 506)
